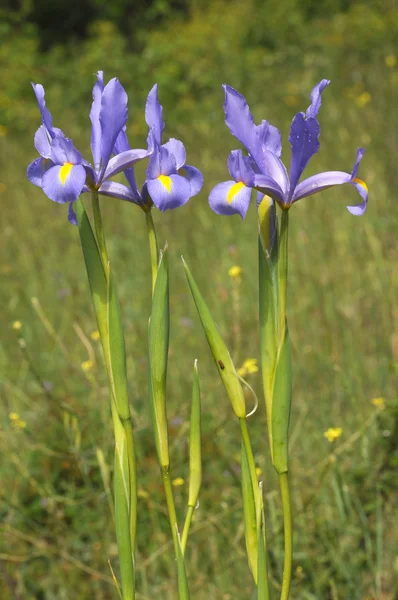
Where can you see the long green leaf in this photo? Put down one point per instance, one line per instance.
(195, 454)
(225, 366)
(262, 572)
(281, 405)
(249, 514)
(158, 355)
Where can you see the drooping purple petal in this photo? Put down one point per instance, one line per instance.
(123, 161)
(177, 149)
(360, 153)
(43, 142)
(112, 117)
(95, 120)
(267, 185)
(45, 113)
(169, 192)
(153, 115)
(238, 117)
(63, 184)
(304, 141)
(114, 189)
(240, 168)
(162, 162)
(229, 198)
(71, 214)
(63, 151)
(36, 170)
(362, 189)
(316, 98)
(194, 176)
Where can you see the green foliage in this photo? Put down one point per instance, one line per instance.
(57, 532)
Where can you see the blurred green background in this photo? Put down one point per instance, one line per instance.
(56, 531)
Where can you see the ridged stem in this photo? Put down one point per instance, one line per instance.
(288, 535)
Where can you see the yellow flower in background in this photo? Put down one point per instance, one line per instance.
(248, 367)
(87, 365)
(363, 99)
(95, 335)
(379, 403)
(16, 422)
(178, 481)
(142, 493)
(258, 471)
(13, 416)
(17, 325)
(235, 272)
(390, 61)
(333, 433)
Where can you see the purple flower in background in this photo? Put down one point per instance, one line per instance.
(169, 181)
(263, 168)
(61, 171)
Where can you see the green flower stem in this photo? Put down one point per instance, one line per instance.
(171, 507)
(288, 534)
(250, 457)
(123, 437)
(153, 246)
(282, 274)
(187, 525)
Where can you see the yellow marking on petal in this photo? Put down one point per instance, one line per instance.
(361, 183)
(165, 179)
(234, 190)
(64, 172)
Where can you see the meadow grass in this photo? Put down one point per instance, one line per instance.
(57, 534)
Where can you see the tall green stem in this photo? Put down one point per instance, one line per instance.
(288, 535)
(171, 507)
(125, 499)
(282, 274)
(153, 246)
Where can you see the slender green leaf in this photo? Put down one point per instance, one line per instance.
(262, 572)
(249, 514)
(195, 454)
(281, 404)
(158, 354)
(219, 350)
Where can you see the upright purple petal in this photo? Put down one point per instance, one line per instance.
(304, 134)
(153, 115)
(162, 162)
(95, 120)
(177, 149)
(122, 142)
(169, 192)
(64, 183)
(63, 151)
(43, 142)
(240, 168)
(195, 178)
(360, 153)
(230, 198)
(36, 170)
(45, 113)
(238, 117)
(113, 117)
(316, 98)
(269, 138)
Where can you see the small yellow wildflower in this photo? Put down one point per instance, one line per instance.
(178, 481)
(95, 335)
(299, 572)
(142, 493)
(379, 403)
(87, 365)
(3, 130)
(258, 471)
(16, 422)
(363, 99)
(17, 325)
(390, 61)
(333, 433)
(13, 416)
(248, 367)
(235, 272)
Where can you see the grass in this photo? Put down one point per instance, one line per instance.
(57, 535)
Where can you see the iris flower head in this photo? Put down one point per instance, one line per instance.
(60, 170)
(263, 168)
(169, 183)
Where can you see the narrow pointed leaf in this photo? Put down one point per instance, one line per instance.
(249, 514)
(225, 366)
(281, 405)
(158, 354)
(195, 454)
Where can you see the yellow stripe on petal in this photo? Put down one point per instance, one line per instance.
(234, 190)
(361, 183)
(165, 179)
(64, 172)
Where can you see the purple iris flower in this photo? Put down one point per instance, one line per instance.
(61, 171)
(169, 181)
(263, 168)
